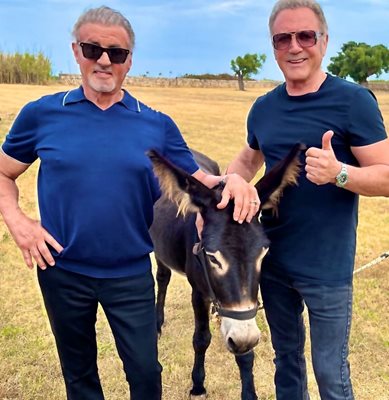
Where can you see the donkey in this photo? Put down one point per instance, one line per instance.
(223, 268)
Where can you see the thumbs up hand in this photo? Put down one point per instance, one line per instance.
(326, 140)
(321, 164)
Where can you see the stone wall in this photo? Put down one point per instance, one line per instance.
(378, 86)
(75, 80)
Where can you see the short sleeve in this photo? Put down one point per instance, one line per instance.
(366, 125)
(176, 149)
(20, 143)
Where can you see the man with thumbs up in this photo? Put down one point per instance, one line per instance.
(313, 237)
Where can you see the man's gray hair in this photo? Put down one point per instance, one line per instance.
(104, 16)
(281, 5)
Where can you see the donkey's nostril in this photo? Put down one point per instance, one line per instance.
(232, 345)
(240, 347)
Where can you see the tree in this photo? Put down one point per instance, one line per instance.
(247, 65)
(359, 61)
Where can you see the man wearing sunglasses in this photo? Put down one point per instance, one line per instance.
(96, 193)
(311, 257)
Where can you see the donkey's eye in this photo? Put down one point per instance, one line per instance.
(217, 262)
(213, 260)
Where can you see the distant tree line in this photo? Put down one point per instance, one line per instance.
(25, 68)
(224, 76)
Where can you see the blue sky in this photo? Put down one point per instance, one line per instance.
(175, 37)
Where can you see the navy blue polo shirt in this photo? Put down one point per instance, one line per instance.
(96, 187)
(314, 236)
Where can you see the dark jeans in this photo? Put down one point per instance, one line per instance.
(71, 302)
(329, 310)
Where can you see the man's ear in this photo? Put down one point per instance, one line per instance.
(76, 51)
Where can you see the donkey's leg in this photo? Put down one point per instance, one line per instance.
(246, 363)
(201, 341)
(163, 278)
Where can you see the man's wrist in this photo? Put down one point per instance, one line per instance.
(10, 214)
(222, 180)
(225, 178)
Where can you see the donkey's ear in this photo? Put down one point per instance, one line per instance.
(283, 174)
(187, 192)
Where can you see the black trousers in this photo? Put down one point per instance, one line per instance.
(71, 302)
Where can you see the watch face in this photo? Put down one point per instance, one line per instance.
(342, 178)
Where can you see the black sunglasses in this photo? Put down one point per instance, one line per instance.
(116, 55)
(282, 41)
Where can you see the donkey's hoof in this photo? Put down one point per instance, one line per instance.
(198, 397)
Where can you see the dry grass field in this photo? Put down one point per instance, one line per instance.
(212, 121)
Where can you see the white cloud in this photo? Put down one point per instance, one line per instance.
(229, 5)
(197, 7)
(375, 3)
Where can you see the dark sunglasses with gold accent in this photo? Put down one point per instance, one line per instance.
(307, 38)
(116, 55)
